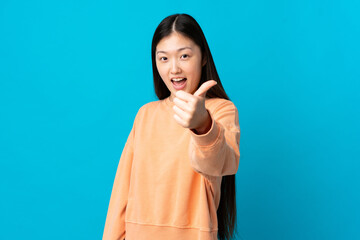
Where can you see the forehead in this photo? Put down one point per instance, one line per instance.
(175, 41)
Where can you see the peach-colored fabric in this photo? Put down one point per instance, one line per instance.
(167, 184)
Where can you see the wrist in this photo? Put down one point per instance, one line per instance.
(204, 127)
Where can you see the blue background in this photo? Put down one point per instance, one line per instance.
(74, 73)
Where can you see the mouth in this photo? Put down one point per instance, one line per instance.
(179, 83)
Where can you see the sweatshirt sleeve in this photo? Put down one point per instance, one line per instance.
(115, 219)
(217, 152)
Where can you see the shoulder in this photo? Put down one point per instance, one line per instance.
(218, 104)
(147, 107)
(225, 112)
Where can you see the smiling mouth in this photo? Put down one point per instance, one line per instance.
(178, 85)
(179, 82)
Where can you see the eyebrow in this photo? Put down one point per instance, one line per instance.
(180, 49)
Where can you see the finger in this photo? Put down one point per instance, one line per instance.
(187, 97)
(181, 113)
(204, 88)
(179, 120)
(181, 104)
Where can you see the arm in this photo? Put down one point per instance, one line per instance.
(216, 152)
(115, 219)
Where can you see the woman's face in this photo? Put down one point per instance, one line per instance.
(178, 57)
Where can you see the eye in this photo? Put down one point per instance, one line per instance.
(162, 58)
(186, 56)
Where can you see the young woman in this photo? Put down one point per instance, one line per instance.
(176, 175)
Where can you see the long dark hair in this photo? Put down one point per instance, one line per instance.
(188, 27)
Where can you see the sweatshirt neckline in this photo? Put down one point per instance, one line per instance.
(169, 103)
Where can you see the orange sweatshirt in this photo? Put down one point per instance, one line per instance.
(168, 181)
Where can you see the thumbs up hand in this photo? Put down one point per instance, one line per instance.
(190, 111)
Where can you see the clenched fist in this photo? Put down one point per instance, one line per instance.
(190, 111)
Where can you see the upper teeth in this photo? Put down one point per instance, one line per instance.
(177, 79)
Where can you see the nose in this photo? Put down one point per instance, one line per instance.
(175, 67)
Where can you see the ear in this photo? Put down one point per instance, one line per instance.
(203, 61)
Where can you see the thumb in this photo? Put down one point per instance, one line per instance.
(201, 92)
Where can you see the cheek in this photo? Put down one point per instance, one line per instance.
(163, 77)
(196, 72)
(161, 72)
